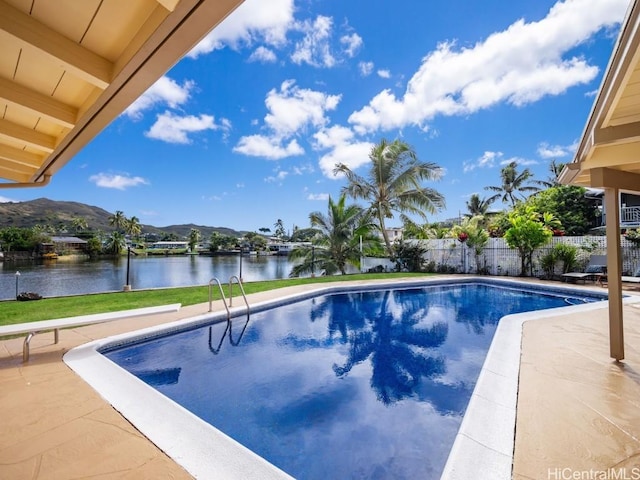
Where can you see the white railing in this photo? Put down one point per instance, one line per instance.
(449, 255)
(628, 216)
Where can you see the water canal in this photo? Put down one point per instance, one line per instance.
(74, 277)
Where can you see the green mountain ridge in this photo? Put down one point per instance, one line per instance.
(43, 211)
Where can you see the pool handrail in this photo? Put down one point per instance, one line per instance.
(224, 299)
(239, 282)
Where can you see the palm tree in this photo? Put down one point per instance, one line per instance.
(512, 184)
(552, 180)
(132, 226)
(279, 229)
(394, 184)
(479, 206)
(118, 220)
(194, 238)
(338, 240)
(79, 224)
(116, 243)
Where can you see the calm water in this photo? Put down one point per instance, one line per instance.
(62, 277)
(358, 385)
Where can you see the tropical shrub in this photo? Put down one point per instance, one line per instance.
(526, 233)
(475, 237)
(409, 256)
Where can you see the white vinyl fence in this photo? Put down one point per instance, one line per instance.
(451, 256)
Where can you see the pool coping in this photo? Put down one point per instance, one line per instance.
(483, 447)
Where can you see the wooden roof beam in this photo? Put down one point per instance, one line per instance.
(29, 136)
(15, 155)
(71, 56)
(626, 133)
(169, 5)
(39, 104)
(610, 178)
(13, 176)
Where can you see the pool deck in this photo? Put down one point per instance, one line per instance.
(578, 411)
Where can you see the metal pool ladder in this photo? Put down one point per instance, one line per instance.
(224, 299)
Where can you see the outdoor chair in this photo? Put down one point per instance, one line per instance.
(596, 268)
(635, 278)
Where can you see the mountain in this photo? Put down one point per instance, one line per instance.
(60, 214)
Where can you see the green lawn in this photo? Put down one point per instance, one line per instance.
(21, 312)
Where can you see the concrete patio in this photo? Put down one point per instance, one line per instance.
(578, 411)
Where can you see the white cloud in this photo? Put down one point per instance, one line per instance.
(291, 110)
(239, 185)
(263, 55)
(519, 65)
(268, 147)
(555, 151)
(343, 149)
(318, 196)
(278, 177)
(119, 182)
(253, 21)
(384, 73)
(487, 160)
(172, 128)
(332, 137)
(164, 91)
(352, 43)
(7, 200)
(366, 68)
(519, 161)
(301, 170)
(314, 49)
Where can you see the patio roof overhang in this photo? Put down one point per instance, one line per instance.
(608, 154)
(69, 67)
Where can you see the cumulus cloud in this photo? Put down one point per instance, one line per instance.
(263, 55)
(7, 200)
(302, 169)
(278, 177)
(253, 21)
(315, 49)
(343, 148)
(519, 161)
(555, 151)
(487, 160)
(366, 68)
(519, 65)
(291, 111)
(173, 128)
(271, 148)
(119, 182)
(384, 73)
(291, 108)
(351, 43)
(318, 196)
(164, 92)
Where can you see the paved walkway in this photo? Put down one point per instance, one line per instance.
(577, 409)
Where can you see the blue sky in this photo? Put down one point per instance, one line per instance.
(246, 129)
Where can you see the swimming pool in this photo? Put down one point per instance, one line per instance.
(351, 343)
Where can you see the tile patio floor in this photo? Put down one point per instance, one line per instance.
(578, 410)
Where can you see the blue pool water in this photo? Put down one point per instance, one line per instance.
(371, 384)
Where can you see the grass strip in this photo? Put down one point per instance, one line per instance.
(12, 312)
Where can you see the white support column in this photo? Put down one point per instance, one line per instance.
(614, 272)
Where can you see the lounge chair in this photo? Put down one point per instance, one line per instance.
(596, 268)
(635, 278)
